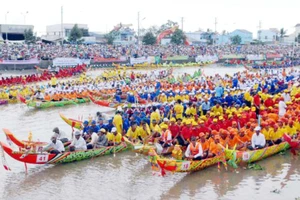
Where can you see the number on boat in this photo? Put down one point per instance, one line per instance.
(185, 165)
(42, 158)
(246, 156)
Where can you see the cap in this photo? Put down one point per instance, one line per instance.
(77, 133)
(85, 122)
(173, 120)
(215, 120)
(164, 126)
(201, 134)
(93, 122)
(166, 120)
(114, 129)
(257, 128)
(102, 130)
(217, 137)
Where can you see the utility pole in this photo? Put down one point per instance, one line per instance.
(62, 26)
(138, 40)
(259, 31)
(214, 35)
(182, 23)
(6, 26)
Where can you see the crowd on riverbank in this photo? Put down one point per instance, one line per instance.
(50, 51)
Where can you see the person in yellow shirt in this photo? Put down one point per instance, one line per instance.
(291, 129)
(155, 129)
(178, 109)
(114, 138)
(144, 130)
(281, 130)
(133, 132)
(154, 115)
(217, 109)
(53, 81)
(118, 122)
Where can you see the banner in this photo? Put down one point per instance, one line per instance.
(149, 59)
(176, 58)
(101, 59)
(70, 61)
(20, 62)
(274, 55)
(206, 58)
(255, 57)
(231, 56)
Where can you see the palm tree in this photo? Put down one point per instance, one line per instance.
(282, 32)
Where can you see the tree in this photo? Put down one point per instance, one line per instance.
(149, 39)
(297, 39)
(167, 25)
(110, 37)
(178, 37)
(224, 32)
(75, 34)
(85, 32)
(236, 39)
(282, 33)
(28, 36)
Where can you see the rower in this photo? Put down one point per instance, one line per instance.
(258, 140)
(114, 138)
(86, 127)
(166, 137)
(194, 150)
(78, 143)
(55, 145)
(60, 135)
(94, 139)
(39, 96)
(94, 127)
(102, 139)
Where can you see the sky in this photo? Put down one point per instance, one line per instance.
(102, 16)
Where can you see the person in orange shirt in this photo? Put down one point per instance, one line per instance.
(214, 147)
(72, 95)
(234, 141)
(224, 138)
(55, 97)
(205, 144)
(47, 97)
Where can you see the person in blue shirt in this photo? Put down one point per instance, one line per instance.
(229, 99)
(205, 106)
(94, 127)
(101, 124)
(110, 125)
(219, 91)
(86, 127)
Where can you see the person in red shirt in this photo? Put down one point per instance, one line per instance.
(252, 114)
(174, 128)
(195, 129)
(202, 128)
(269, 102)
(215, 126)
(187, 131)
(256, 103)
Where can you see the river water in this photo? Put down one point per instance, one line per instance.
(129, 176)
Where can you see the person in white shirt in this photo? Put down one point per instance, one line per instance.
(78, 143)
(194, 151)
(258, 140)
(281, 107)
(286, 96)
(55, 146)
(39, 95)
(60, 135)
(94, 139)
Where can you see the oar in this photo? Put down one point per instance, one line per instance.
(114, 149)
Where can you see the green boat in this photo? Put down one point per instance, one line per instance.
(49, 104)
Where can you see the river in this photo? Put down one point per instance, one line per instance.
(129, 176)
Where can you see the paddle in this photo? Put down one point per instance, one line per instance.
(114, 149)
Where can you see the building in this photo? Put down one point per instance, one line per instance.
(13, 32)
(267, 36)
(124, 35)
(196, 38)
(223, 39)
(55, 33)
(293, 38)
(245, 35)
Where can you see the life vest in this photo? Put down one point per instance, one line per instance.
(165, 135)
(194, 150)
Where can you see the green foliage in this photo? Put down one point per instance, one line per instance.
(178, 37)
(167, 25)
(149, 39)
(282, 33)
(28, 36)
(75, 34)
(110, 37)
(255, 166)
(236, 39)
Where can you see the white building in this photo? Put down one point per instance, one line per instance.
(290, 39)
(13, 31)
(54, 32)
(267, 36)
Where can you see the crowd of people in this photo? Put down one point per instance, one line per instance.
(202, 116)
(51, 51)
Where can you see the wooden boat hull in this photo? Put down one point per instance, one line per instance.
(256, 155)
(105, 103)
(66, 157)
(72, 122)
(181, 166)
(49, 104)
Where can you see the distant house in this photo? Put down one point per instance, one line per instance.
(245, 35)
(267, 36)
(291, 39)
(223, 39)
(125, 36)
(195, 38)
